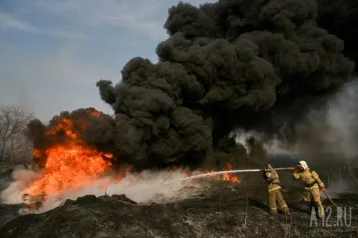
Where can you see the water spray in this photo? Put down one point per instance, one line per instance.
(211, 174)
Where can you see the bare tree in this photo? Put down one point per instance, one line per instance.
(13, 142)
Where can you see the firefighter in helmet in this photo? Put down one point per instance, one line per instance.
(274, 190)
(312, 185)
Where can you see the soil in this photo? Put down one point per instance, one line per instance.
(226, 210)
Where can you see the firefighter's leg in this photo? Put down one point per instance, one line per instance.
(272, 202)
(309, 200)
(282, 203)
(317, 199)
(307, 196)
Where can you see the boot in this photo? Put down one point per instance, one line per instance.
(273, 212)
(311, 206)
(287, 212)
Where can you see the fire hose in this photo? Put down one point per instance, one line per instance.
(257, 170)
(334, 204)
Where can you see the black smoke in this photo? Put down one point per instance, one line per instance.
(231, 64)
(341, 18)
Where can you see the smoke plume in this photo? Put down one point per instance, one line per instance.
(253, 65)
(332, 127)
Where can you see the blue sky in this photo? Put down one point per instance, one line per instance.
(54, 51)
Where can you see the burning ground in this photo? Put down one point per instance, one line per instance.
(70, 168)
(221, 210)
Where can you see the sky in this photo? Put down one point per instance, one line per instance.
(53, 52)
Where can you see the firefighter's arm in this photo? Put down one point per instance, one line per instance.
(318, 180)
(268, 175)
(271, 175)
(297, 172)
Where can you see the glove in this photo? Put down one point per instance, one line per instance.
(323, 189)
(297, 169)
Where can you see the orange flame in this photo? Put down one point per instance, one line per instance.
(72, 164)
(64, 125)
(185, 174)
(94, 112)
(228, 176)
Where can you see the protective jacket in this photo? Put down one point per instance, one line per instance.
(312, 185)
(310, 179)
(273, 180)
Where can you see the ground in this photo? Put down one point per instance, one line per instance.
(224, 210)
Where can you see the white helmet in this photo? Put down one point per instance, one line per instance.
(303, 164)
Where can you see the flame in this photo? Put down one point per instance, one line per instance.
(228, 176)
(65, 125)
(212, 173)
(185, 174)
(69, 164)
(94, 112)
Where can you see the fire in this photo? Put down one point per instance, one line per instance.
(94, 112)
(64, 125)
(228, 176)
(69, 164)
(212, 173)
(184, 173)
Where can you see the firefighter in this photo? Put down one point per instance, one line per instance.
(274, 190)
(312, 185)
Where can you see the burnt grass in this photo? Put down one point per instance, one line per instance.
(226, 210)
